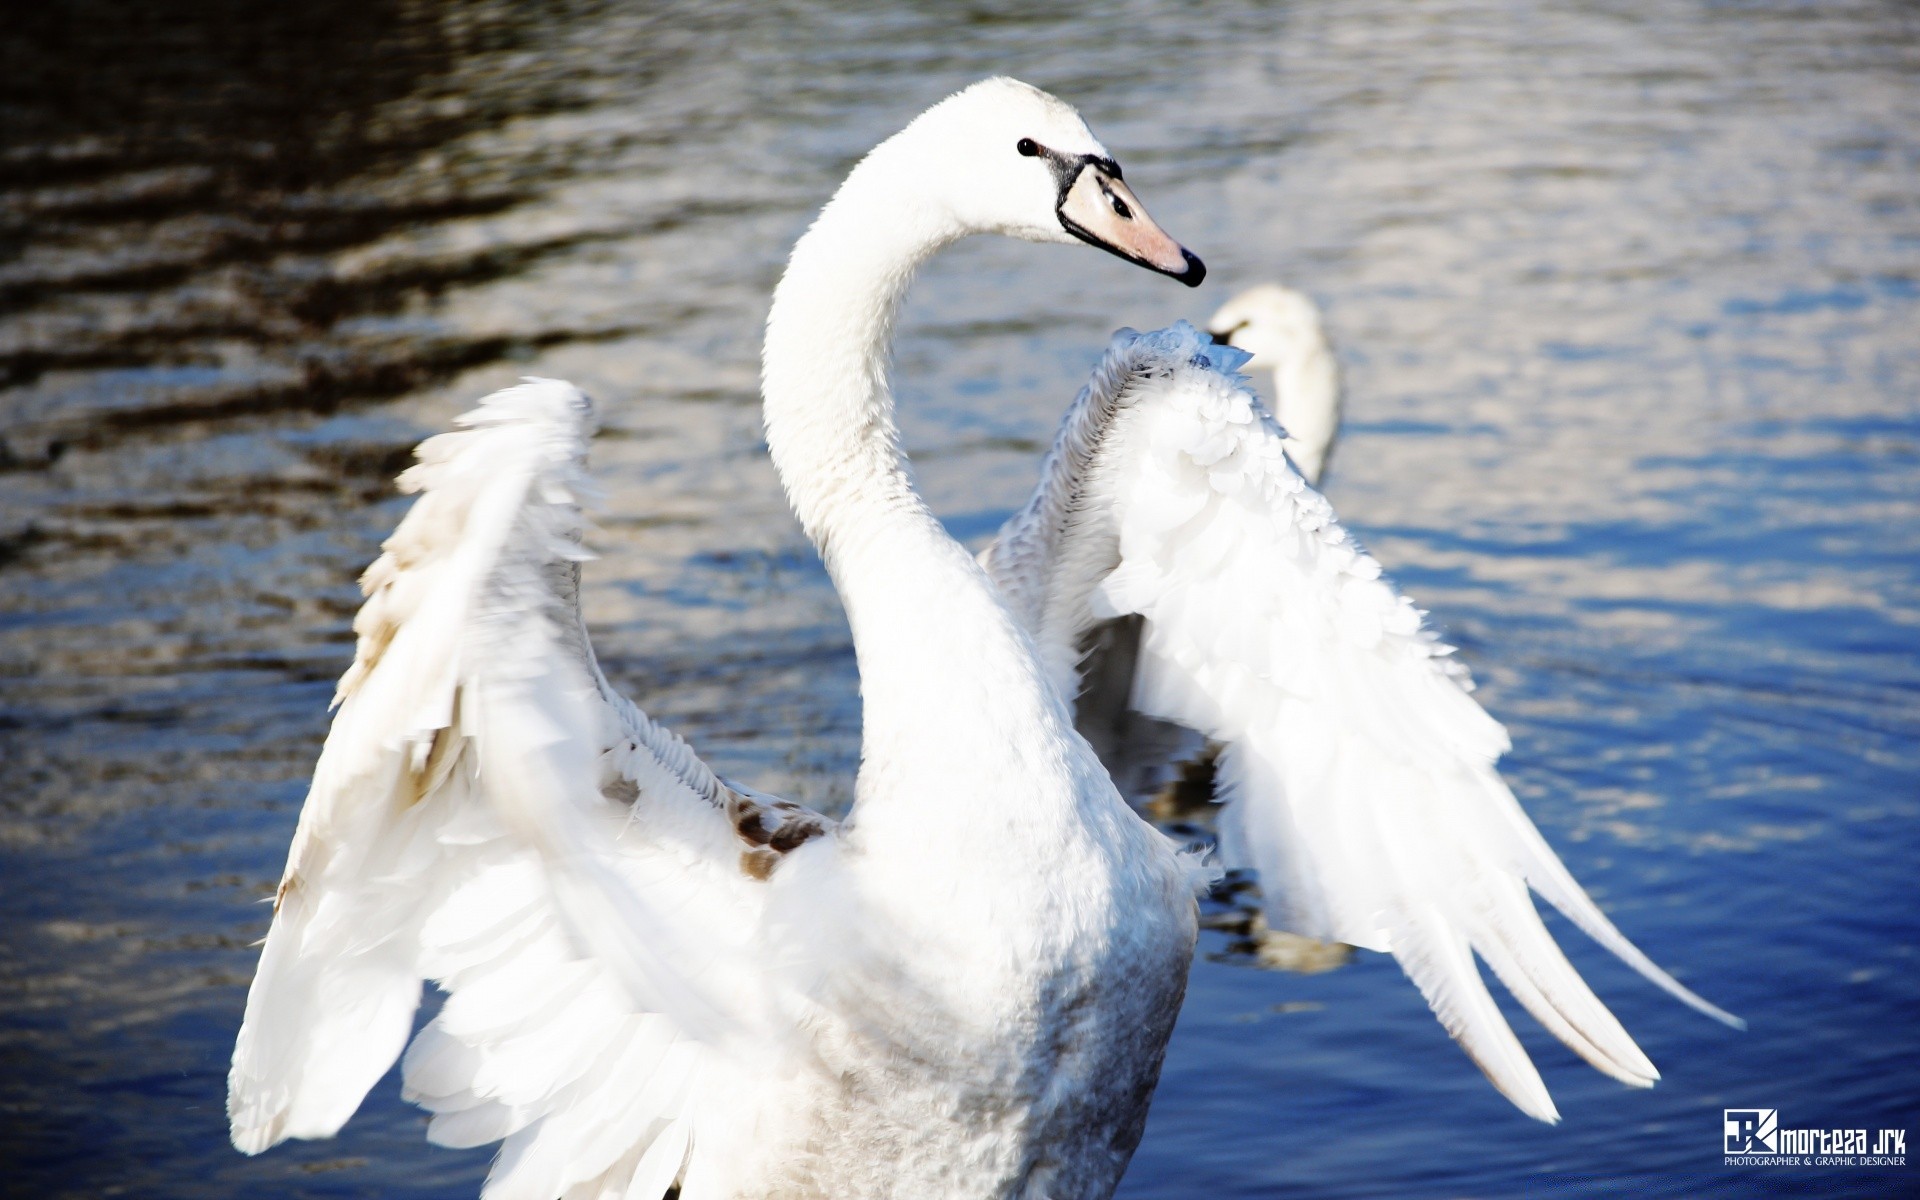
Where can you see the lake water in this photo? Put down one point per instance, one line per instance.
(1628, 295)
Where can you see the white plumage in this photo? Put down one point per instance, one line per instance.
(656, 978)
(473, 745)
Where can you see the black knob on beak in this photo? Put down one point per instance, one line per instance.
(1196, 270)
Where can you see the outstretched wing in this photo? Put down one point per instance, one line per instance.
(489, 814)
(1358, 772)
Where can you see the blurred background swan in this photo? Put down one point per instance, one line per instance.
(1283, 331)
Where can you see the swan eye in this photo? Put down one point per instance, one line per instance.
(1027, 148)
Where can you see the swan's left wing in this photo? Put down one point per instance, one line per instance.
(1358, 772)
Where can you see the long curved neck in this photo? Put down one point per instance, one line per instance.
(945, 673)
(829, 413)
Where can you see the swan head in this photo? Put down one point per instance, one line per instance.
(1275, 324)
(1005, 157)
(1281, 328)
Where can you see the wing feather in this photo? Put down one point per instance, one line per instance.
(489, 814)
(1356, 770)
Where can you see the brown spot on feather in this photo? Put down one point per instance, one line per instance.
(794, 833)
(288, 883)
(791, 826)
(621, 791)
(752, 827)
(443, 753)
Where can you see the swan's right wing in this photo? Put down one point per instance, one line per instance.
(489, 814)
(1358, 771)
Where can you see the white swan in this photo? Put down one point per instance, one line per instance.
(966, 988)
(1282, 329)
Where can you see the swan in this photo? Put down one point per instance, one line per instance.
(1282, 329)
(658, 978)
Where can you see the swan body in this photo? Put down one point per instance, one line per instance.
(658, 978)
(1283, 331)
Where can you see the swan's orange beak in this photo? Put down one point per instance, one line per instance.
(1098, 208)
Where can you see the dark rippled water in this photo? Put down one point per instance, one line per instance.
(1629, 300)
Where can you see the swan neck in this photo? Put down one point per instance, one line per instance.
(938, 652)
(828, 408)
(830, 420)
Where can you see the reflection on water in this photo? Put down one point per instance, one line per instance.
(1627, 297)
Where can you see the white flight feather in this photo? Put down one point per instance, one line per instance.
(1357, 771)
(456, 831)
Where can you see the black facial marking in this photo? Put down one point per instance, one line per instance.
(1067, 169)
